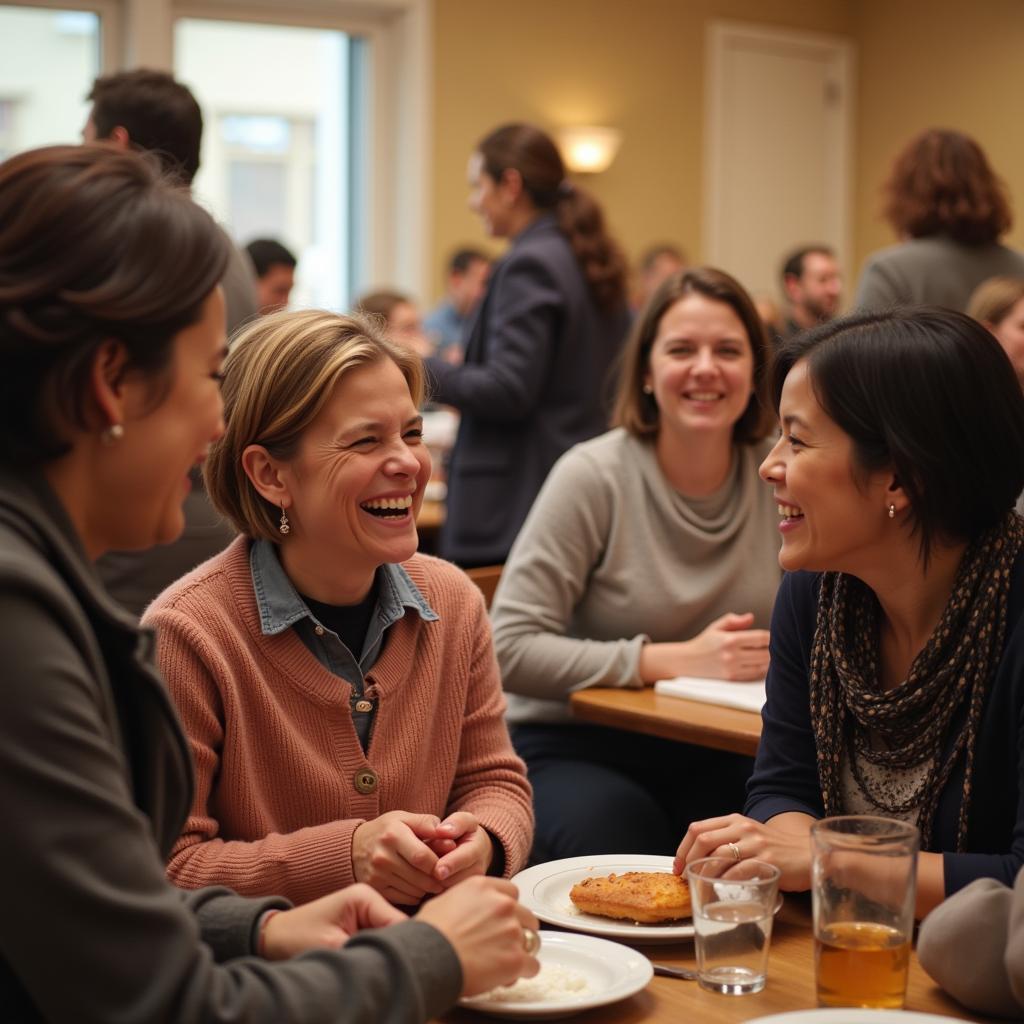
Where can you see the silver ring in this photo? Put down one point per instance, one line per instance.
(734, 850)
(531, 941)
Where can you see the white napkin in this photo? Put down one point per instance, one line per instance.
(745, 696)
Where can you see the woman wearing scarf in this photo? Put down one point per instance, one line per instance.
(896, 684)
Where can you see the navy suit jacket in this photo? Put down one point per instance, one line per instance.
(535, 381)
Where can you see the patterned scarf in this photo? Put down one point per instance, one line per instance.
(908, 727)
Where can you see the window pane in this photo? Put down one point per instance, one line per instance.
(48, 60)
(277, 111)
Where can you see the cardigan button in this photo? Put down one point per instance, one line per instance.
(366, 781)
(364, 705)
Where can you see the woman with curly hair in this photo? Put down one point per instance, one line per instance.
(949, 209)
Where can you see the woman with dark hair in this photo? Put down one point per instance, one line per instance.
(949, 210)
(112, 339)
(540, 348)
(650, 553)
(896, 684)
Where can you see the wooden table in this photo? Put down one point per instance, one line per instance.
(790, 985)
(673, 718)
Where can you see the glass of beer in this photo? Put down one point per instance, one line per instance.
(733, 903)
(863, 886)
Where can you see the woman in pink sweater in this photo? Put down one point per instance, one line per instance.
(340, 691)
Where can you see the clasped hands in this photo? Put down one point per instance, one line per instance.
(784, 842)
(406, 856)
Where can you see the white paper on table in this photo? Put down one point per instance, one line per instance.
(745, 696)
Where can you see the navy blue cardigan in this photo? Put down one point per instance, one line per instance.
(785, 774)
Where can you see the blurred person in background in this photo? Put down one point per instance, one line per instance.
(401, 319)
(446, 323)
(656, 264)
(812, 285)
(949, 210)
(541, 349)
(998, 304)
(275, 273)
(150, 111)
(113, 343)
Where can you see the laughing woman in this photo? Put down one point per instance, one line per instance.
(340, 692)
(896, 684)
(112, 340)
(650, 553)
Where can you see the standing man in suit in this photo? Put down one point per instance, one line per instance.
(149, 110)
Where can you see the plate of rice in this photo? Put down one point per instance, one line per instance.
(577, 973)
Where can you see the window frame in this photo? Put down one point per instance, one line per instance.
(111, 21)
(140, 33)
(398, 33)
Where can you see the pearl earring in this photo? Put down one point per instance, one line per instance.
(648, 390)
(285, 526)
(113, 433)
(892, 511)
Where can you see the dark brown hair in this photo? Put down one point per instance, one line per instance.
(94, 245)
(531, 152)
(942, 184)
(159, 114)
(637, 411)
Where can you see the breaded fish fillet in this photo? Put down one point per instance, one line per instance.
(649, 897)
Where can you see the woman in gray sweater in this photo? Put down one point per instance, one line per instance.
(112, 339)
(651, 552)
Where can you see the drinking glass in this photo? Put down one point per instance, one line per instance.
(863, 886)
(733, 903)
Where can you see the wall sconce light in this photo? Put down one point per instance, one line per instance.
(588, 149)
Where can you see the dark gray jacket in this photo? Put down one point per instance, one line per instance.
(95, 784)
(535, 381)
(934, 271)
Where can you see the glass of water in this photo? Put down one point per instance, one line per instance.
(733, 904)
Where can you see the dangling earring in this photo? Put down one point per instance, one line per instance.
(285, 526)
(113, 433)
(892, 511)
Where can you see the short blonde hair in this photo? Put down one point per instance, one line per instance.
(279, 374)
(992, 301)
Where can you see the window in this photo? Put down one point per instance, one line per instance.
(48, 60)
(279, 112)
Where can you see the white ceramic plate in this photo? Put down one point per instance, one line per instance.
(612, 972)
(544, 888)
(844, 1016)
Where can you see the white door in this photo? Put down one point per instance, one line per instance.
(779, 149)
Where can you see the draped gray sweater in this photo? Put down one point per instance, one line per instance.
(611, 556)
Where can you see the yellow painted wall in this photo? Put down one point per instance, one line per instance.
(937, 63)
(639, 65)
(635, 64)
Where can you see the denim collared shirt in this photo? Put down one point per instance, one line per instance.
(281, 608)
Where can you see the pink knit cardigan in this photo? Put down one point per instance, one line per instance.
(276, 753)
